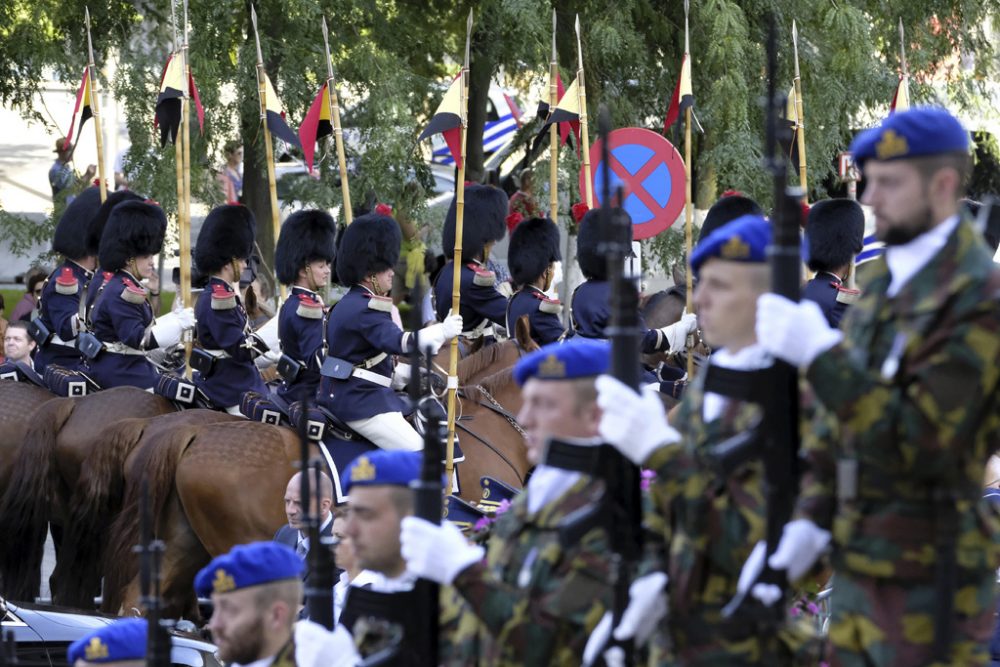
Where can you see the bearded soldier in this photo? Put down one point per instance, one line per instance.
(912, 379)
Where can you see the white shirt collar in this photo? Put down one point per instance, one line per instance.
(547, 484)
(326, 522)
(749, 358)
(906, 260)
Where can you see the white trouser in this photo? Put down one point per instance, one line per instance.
(389, 430)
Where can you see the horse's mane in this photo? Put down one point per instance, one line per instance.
(475, 363)
(491, 384)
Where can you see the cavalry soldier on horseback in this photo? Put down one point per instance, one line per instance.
(533, 252)
(835, 233)
(482, 304)
(225, 361)
(538, 593)
(356, 386)
(305, 249)
(122, 317)
(591, 306)
(57, 322)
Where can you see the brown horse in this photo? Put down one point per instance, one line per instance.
(218, 485)
(18, 400)
(61, 434)
(98, 496)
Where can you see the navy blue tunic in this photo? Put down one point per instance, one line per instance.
(545, 327)
(356, 333)
(115, 319)
(56, 313)
(300, 329)
(823, 289)
(226, 329)
(479, 302)
(592, 315)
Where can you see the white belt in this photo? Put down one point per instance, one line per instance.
(121, 348)
(374, 361)
(56, 340)
(485, 328)
(376, 378)
(218, 354)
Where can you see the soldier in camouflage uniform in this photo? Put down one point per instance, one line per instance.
(913, 381)
(709, 521)
(535, 597)
(256, 591)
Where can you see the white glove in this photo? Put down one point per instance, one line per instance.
(168, 329)
(315, 646)
(431, 337)
(401, 376)
(452, 326)
(794, 332)
(268, 359)
(437, 553)
(268, 332)
(676, 334)
(802, 543)
(647, 606)
(636, 424)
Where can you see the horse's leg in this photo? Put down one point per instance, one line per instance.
(183, 557)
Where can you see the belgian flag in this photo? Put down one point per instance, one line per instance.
(447, 121)
(168, 102)
(275, 117)
(315, 126)
(82, 97)
(683, 96)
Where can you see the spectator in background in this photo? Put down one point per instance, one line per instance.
(231, 176)
(3, 320)
(523, 201)
(61, 174)
(17, 344)
(35, 280)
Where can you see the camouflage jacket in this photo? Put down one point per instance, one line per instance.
(710, 523)
(914, 387)
(535, 599)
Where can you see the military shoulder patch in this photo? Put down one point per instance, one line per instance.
(383, 304)
(67, 282)
(551, 306)
(309, 308)
(482, 277)
(223, 298)
(847, 295)
(133, 293)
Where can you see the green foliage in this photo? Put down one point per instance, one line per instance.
(392, 60)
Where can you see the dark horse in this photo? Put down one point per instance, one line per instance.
(59, 436)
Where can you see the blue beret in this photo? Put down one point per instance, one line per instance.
(121, 640)
(248, 565)
(745, 239)
(576, 358)
(916, 132)
(381, 468)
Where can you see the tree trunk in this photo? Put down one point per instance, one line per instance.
(480, 73)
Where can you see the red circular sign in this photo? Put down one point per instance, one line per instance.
(651, 174)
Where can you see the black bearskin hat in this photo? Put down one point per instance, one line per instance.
(727, 209)
(533, 246)
(835, 232)
(70, 239)
(484, 221)
(306, 236)
(227, 234)
(96, 227)
(593, 263)
(134, 229)
(369, 244)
